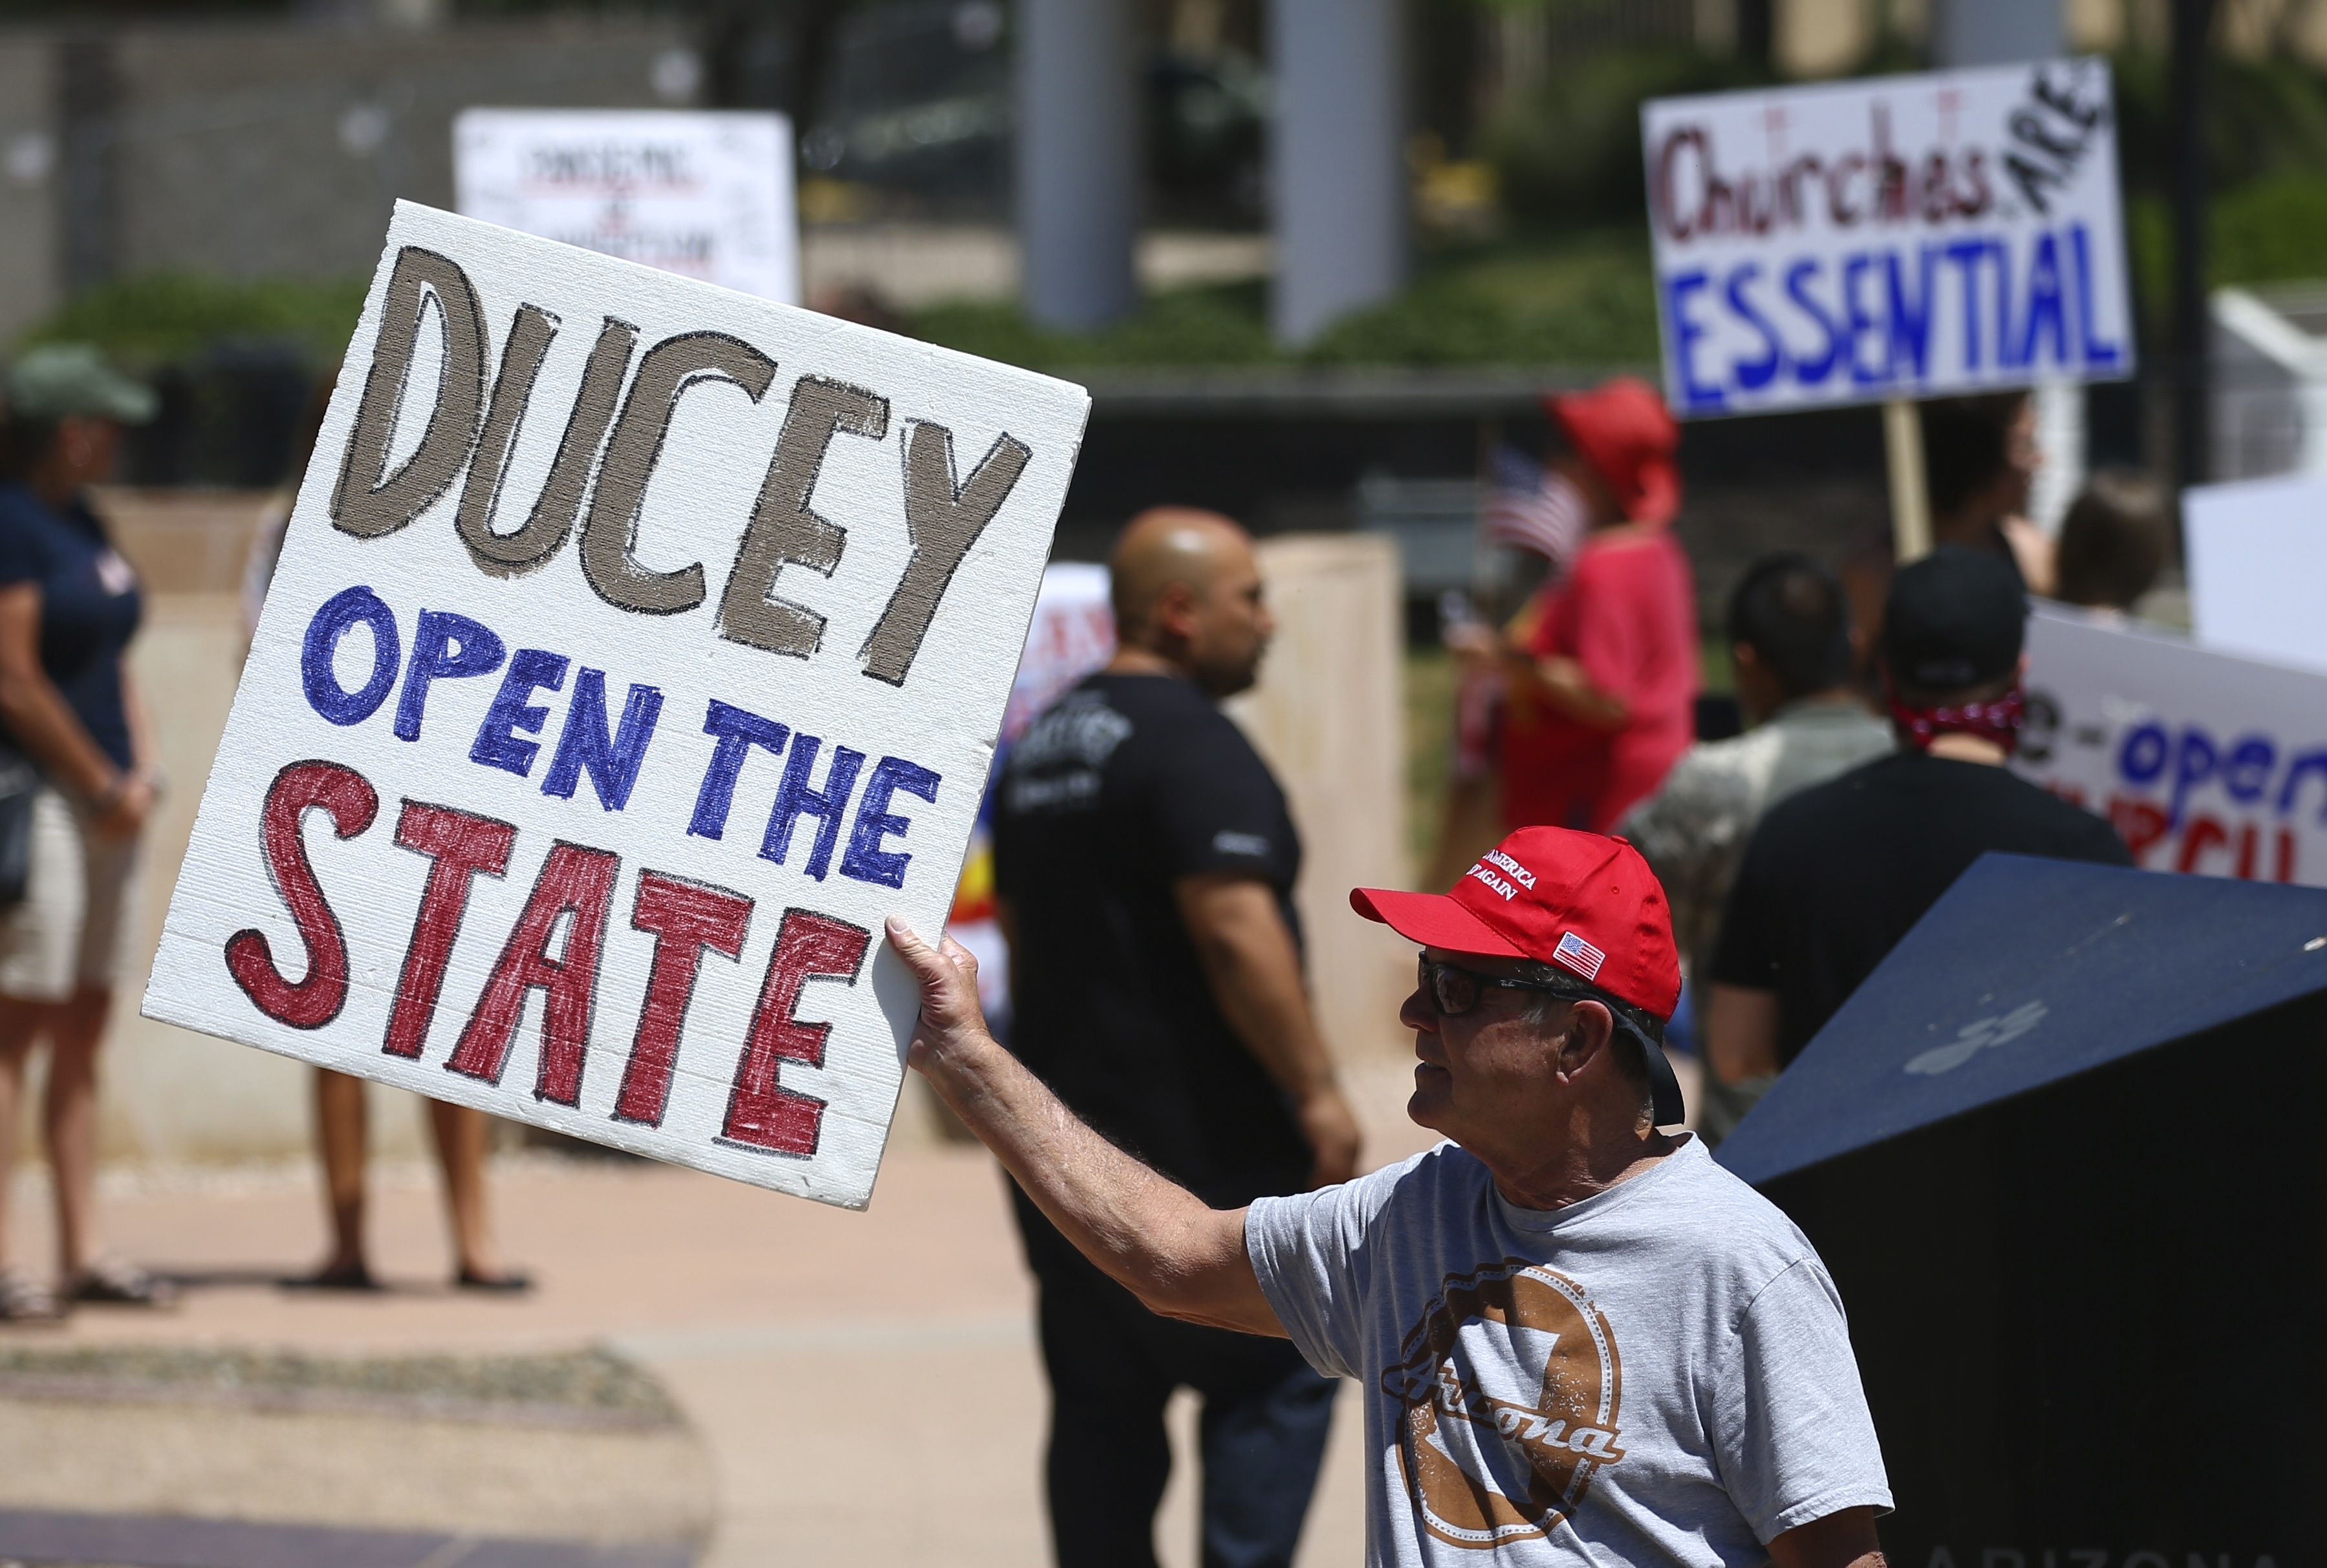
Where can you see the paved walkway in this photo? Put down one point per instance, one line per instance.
(863, 1387)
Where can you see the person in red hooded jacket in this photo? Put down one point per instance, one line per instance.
(1602, 665)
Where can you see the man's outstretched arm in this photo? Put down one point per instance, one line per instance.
(1154, 1237)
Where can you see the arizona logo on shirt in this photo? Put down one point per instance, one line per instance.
(1511, 1384)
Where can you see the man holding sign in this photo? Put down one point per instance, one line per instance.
(1578, 1341)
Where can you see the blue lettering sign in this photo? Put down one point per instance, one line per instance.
(2097, 354)
(1699, 396)
(584, 746)
(348, 608)
(497, 745)
(866, 861)
(446, 647)
(738, 732)
(1810, 372)
(1753, 375)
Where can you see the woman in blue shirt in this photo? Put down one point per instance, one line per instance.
(69, 606)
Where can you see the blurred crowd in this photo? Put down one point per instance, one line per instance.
(1578, 707)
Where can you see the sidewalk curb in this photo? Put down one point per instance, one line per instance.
(163, 1541)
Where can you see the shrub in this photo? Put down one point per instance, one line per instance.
(159, 319)
(1212, 325)
(2275, 228)
(1590, 302)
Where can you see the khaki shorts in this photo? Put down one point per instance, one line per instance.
(69, 933)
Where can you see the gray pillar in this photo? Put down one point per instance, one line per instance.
(87, 105)
(1078, 164)
(1337, 159)
(1996, 31)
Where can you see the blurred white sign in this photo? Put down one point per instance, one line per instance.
(1072, 634)
(2203, 761)
(706, 195)
(1905, 236)
(2257, 557)
(637, 648)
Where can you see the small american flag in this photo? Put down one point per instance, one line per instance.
(1529, 509)
(1579, 954)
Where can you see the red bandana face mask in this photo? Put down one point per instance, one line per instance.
(1998, 720)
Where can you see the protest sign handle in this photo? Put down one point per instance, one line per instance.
(1911, 498)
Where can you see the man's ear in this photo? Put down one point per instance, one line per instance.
(1174, 614)
(1590, 1026)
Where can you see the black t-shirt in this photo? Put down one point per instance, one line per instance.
(89, 606)
(1836, 874)
(1126, 785)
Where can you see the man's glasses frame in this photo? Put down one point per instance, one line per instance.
(1454, 991)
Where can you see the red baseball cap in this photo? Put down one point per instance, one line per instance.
(1624, 431)
(1577, 902)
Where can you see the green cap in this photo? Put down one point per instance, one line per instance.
(57, 379)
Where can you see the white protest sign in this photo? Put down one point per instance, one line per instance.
(1897, 236)
(2257, 557)
(637, 648)
(1072, 634)
(704, 194)
(2203, 761)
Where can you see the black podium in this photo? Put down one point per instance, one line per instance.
(2060, 1153)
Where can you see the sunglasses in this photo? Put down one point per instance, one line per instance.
(1454, 991)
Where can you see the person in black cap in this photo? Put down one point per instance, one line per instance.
(1836, 874)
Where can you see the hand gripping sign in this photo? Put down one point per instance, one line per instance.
(637, 648)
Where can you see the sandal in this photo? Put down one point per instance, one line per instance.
(509, 1282)
(111, 1281)
(25, 1299)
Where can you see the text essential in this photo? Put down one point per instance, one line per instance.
(637, 648)
(2203, 762)
(704, 193)
(1896, 236)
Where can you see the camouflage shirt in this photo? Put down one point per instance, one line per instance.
(1692, 831)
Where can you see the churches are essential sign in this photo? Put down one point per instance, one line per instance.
(637, 648)
(1893, 237)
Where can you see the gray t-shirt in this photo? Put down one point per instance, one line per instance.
(1660, 1373)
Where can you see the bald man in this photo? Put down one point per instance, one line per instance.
(1145, 861)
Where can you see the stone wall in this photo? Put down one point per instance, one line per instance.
(1328, 714)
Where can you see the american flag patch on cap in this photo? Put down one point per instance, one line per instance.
(1579, 954)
